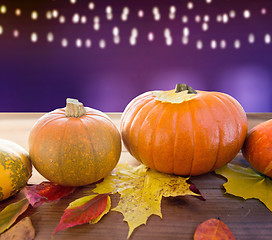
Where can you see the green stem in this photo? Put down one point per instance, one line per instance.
(184, 87)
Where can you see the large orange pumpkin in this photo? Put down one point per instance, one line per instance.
(183, 131)
(257, 148)
(74, 146)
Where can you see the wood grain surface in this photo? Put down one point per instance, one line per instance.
(248, 219)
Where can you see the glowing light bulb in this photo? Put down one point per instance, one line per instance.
(34, 15)
(186, 31)
(134, 32)
(108, 9)
(62, 19)
(225, 18)
(91, 6)
(185, 19)
(251, 38)
(232, 14)
(50, 37)
(246, 13)
(64, 42)
(150, 37)
(199, 44)
(115, 31)
(3, 9)
(102, 43)
(48, 15)
(263, 11)
(208, 1)
(206, 18)
(73, 1)
(83, 19)
(205, 26)
(78, 43)
(18, 12)
(237, 44)
(1, 30)
(140, 13)
(132, 41)
(96, 26)
(267, 38)
(167, 32)
(190, 5)
(219, 18)
(110, 16)
(96, 19)
(213, 44)
(55, 13)
(124, 17)
(223, 44)
(34, 37)
(126, 10)
(75, 18)
(88, 43)
(185, 40)
(15, 33)
(197, 18)
(116, 39)
(172, 9)
(157, 17)
(169, 41)
(155, 10)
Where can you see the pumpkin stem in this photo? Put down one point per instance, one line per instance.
(74, 108)
(183, 87)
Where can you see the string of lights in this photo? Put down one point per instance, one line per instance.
(192, 26)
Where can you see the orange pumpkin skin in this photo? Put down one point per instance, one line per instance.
(257, 148)
(191, 138)
(74, 151)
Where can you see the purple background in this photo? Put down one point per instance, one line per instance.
(40, 76)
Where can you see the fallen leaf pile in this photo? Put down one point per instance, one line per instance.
(141, 191)
(247, 183)
(35, 195)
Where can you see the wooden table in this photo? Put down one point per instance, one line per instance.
(248, 219)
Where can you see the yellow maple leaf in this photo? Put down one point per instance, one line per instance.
(247, 183)
(141, 191)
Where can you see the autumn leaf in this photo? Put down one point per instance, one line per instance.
(10, 213)
(247, 183)
(213, 229)
(141, 192)
(83, 210)
(46, 192)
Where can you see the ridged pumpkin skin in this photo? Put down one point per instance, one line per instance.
(193, 137)
(15, 168)
(257, 148)
(74, 151)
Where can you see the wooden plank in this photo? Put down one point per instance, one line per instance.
(247, 219)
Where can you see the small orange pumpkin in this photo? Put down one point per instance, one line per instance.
(183, 131)
(15, 168)
(257, 148)
(74, 146)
